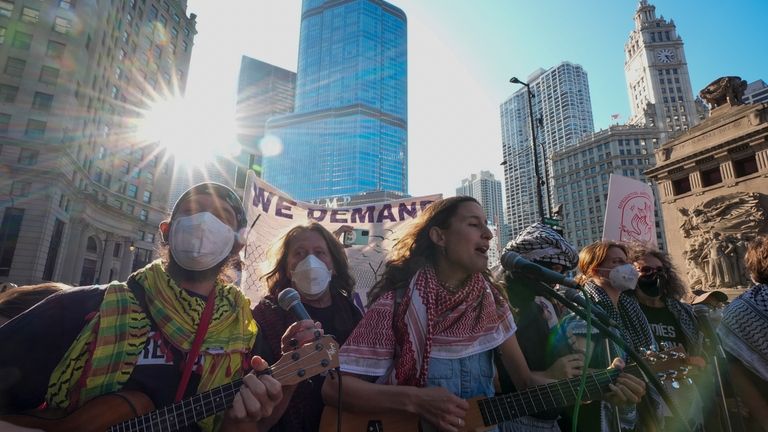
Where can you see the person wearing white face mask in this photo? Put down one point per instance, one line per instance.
(606, 276)
(142, 334)
(311, 260)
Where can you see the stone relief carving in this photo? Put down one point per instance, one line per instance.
(717, 233)
(728, 89)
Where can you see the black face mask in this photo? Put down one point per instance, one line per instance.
(650, 285)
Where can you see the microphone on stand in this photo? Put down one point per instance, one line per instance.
(573, 295)
(513, 262)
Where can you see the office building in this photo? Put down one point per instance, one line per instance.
(582, 173)
(562, 113)
(487, 191)
(348, 132)
(756, 92)
(81, 195)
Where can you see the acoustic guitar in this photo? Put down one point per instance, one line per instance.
(485, 413)
(131, 411)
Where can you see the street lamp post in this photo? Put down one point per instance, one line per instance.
(539, 180)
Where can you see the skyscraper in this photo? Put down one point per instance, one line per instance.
(81, 195)
(562, 113)
(658, 83)
(756, 92)
(348, 132)
(263, 91)
(487, 191)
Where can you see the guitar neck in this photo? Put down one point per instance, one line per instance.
(541, 398)
(184, 413)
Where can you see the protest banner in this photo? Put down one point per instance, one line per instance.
(629, 213)
(271, 213)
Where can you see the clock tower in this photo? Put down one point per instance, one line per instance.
(658, 83)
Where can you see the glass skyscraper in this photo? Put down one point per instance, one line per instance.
(348, 132)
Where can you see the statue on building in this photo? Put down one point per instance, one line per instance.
(717, 232)
(728, 89)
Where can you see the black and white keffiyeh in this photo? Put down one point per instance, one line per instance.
(743, 328)
(541, 243)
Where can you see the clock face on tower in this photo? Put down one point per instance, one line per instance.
(665, 55)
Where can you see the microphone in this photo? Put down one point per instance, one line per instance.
(290, 301)
(513, 262)
(573, 295)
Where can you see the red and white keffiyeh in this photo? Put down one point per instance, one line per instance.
(430, 322)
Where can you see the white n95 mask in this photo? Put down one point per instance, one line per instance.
(200, 241)
(311, 277)
(624, 277)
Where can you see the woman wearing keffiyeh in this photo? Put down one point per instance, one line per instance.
(607, 276)
(434, 321)
(743, 332)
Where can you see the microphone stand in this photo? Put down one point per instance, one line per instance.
(605, 330)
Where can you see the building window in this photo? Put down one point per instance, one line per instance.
(53, 250)
(681, 186)
(55, 49)
(711, 177)
(8, 93)
(28, 157)
(116, 250)
(21, 40)
(20, 188)
(42, 101)
(6, 8)
(67, 4)
(147, 198)
(5, 121)
(49, 75)
(9, 235)
(62, 25)
(35, 128)
(133, 190)
(29, 15)
(15, 67)
(744, 167)
(143, 214)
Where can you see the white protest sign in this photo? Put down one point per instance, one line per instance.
(629, 213)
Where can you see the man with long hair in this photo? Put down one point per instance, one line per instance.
(172, 330)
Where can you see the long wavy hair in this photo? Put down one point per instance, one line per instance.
(278, 278)
(674, 288)
(756, 259)
(591, 256)
(415, 250)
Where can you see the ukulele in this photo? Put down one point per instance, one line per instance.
(132, 411)
(485, 413)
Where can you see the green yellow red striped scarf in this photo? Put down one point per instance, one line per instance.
(103, 355)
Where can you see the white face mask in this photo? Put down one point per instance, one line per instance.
(623, 277)
(311, 277)
(200, 241)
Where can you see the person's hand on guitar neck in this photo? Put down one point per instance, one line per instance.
(440, 407)
(627, 390)
(262, 399)
(255, 401)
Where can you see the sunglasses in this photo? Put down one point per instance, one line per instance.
(649, 269)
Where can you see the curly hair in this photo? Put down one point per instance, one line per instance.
(416, 250)
(674, 288)
(756, 259)
(278, 278)
(591, 256)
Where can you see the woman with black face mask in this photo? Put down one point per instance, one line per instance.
(673, 323)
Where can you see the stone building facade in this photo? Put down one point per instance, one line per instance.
(713, 184)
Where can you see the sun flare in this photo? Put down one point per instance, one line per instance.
(193, 134)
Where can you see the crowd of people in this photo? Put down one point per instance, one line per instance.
(441, 335)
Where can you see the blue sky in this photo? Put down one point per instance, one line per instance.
(463, 52)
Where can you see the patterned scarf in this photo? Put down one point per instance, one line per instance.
(683, 314)
(743, 328)
(541, 243)
(429, 322)
(105, 352)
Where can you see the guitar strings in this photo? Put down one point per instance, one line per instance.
(169, 415)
